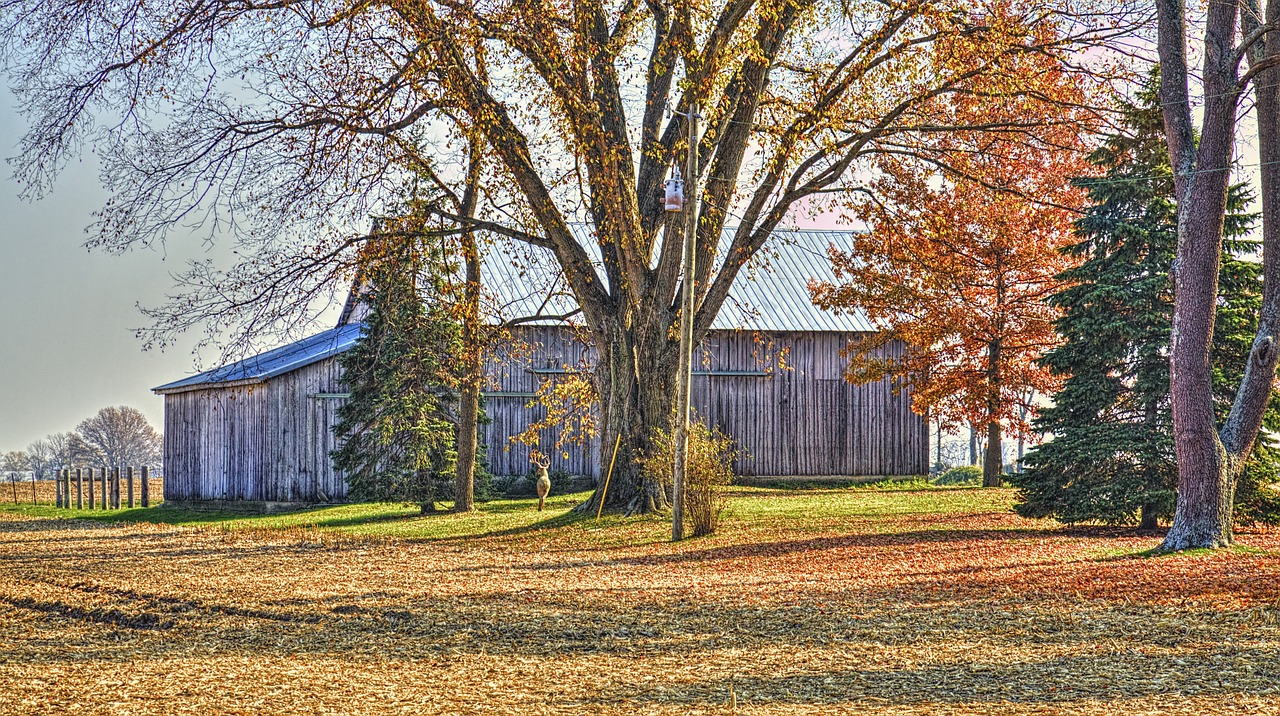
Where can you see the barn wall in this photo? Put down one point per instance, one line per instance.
(270, 442)
(801, 420)
(265, 442)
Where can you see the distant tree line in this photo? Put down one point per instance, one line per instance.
(117, 436)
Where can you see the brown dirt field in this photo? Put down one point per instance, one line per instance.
(20, 493)
(915, 614)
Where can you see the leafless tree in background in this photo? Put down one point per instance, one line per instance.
(119, 437)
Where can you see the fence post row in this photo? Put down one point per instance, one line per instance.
(110, 488)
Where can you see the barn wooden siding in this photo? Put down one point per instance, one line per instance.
(803, 420)
(266, 442)
(270, 441)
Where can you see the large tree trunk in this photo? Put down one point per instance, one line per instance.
(635, 404)
(1206, 464)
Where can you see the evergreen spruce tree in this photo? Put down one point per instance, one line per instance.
(1111, 455)
(398, 427)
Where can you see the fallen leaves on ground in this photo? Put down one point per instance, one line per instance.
(960, 613)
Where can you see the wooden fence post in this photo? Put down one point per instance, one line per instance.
(146, 487)
(33, 487)
(79, 489)
(115, 488)
(57, 489)
(129, 477)
(92, 502)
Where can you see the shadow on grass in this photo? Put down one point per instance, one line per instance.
(314, 517)
(1157, 552)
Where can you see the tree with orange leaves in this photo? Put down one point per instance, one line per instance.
(957, 269)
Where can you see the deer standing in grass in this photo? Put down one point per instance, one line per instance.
(543, 483)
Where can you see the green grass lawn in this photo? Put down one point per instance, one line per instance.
(747, 509)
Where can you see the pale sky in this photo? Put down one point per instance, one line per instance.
(66, 344)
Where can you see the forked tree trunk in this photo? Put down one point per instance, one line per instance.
(635, 404)
(1207, 461)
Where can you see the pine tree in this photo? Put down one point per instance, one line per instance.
(398, 427)
(1111, 458)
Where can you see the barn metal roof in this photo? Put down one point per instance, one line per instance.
(276, 362)
(771, 294)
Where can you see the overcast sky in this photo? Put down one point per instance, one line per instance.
(66, 345)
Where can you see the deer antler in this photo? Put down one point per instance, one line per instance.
(540, 460)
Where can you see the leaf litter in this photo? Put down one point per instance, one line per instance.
(933, 613)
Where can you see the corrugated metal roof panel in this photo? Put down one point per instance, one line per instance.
(771, 294)
(274, 362)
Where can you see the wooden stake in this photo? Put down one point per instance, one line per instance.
(115, 487)
(605, 492)
(129, 477)
(14, 485)
(146, 487)
(79, 489)
(92, 502)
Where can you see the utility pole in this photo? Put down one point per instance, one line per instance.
(686, 332)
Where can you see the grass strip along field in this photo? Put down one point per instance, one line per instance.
(868, 601)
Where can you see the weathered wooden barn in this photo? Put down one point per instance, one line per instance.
(261, 429)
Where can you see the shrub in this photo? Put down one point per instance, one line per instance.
(963, 475)
(711, 456)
